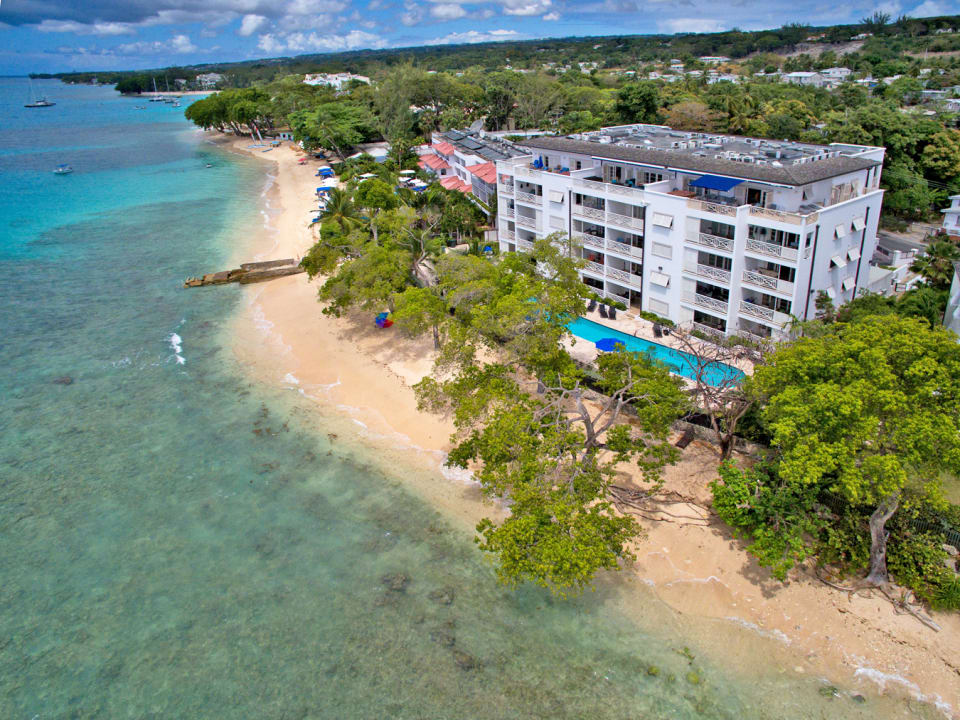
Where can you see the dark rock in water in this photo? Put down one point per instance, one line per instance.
(829, 691)
(442, 637)
(444, 596)
(63, 380)
(396, 583)
(858, 699)
(465, 661)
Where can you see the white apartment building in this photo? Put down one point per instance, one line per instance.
(334, 80)
(732, 235)
(951, 216)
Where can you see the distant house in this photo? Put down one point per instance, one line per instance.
(334, 80)
(676, 66)
(933, 95)
(892, 79)
(208, 81)
(862, 36)
(714, 59)
(951, 217)
(811, 79)
(837, 73)
(180, 82)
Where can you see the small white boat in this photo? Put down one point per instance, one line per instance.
(209, 165)
(63, 170)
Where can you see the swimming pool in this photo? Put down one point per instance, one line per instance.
(677, 361)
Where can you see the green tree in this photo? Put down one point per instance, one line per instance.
(936, 263)
(870, 412)
(638, 102)
(338, 126)
(340, 209)
(941, 157)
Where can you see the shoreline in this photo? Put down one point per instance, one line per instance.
(359, 379)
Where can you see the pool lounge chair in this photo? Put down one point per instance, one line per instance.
(603, 310)
(592, 306)
(657, 331)
(613, 313)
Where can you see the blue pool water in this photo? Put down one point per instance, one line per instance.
(678, 361)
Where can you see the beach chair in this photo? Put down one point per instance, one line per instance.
(592, 306)
(613, 313)
(603, 310)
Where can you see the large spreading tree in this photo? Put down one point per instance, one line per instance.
(870, 412)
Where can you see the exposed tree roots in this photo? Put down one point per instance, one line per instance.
(901, 605)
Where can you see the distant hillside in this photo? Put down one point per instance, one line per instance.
(887, 39)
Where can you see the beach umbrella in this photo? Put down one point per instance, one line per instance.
(609, 344)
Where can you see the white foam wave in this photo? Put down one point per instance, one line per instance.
(775, 634)
(176, 342)
(291, 379)
(881, 679)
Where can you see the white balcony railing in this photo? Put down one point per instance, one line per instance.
(624, 221)
(506, 212)
(781, 216)
(765, 281)
(529, 198)
(505, 188)
(765, 248)
(711, 241)
(747, 335)
(715, 208)
(594, 267)
(621, 275)
(590, 241)
(588, 212)
(707, 330)
(625, 249)
(507, 235)
(527, 222)
(524, 245)
(763, 313)
(709, 303)
(616, 296)
(708, 271)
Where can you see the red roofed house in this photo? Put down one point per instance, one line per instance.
(483, 180)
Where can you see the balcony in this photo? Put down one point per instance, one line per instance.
(767, 282)
(729, 211)
(505, 188)
(764, 248)
(704, 301)
(524, 245)
(588, 212)
(707, 330)
(507, 235)
(782, 215)
(593, 267)
(714, 242)
(625, 249)
(506, 212)
(763, 313)
(708, 271)
(627, 278)
(527, 222)
(589, 240)
(529, 198)
(624, 221)
(623, 193)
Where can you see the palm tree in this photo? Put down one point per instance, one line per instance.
(340, 209)
(424, 247)
(936, 263)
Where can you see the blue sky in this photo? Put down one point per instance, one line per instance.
(63, 35)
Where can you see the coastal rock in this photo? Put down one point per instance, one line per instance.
(465, 661)
(443, 638)
(63, 380)
(443, 596)
(395, 583)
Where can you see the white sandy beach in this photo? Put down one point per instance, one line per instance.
(360, 378)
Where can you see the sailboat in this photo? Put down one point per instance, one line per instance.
(35, 101)
(63, 170)
(156, 98)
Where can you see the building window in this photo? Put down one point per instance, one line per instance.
(711, 227)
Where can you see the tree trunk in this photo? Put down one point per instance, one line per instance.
(436, 337)
(878, 576)
(726, 446)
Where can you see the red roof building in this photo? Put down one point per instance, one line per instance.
(455, 183)
(444, 148)
(485, 171)
(434, 162)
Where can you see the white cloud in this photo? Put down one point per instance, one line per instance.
(474, 36)
(100, 28)
(526, 8)
(690, 25)
(413, 14)
(250, 24)
(180, 44)
(552, 16)
(447, 11)
(932, 8)
(312, 42)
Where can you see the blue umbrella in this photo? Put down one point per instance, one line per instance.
(609, 344)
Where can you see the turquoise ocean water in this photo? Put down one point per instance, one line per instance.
(175, 542)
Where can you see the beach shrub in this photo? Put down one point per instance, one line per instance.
(947, 596)
(654, 318)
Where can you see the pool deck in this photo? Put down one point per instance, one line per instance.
(632, 324)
